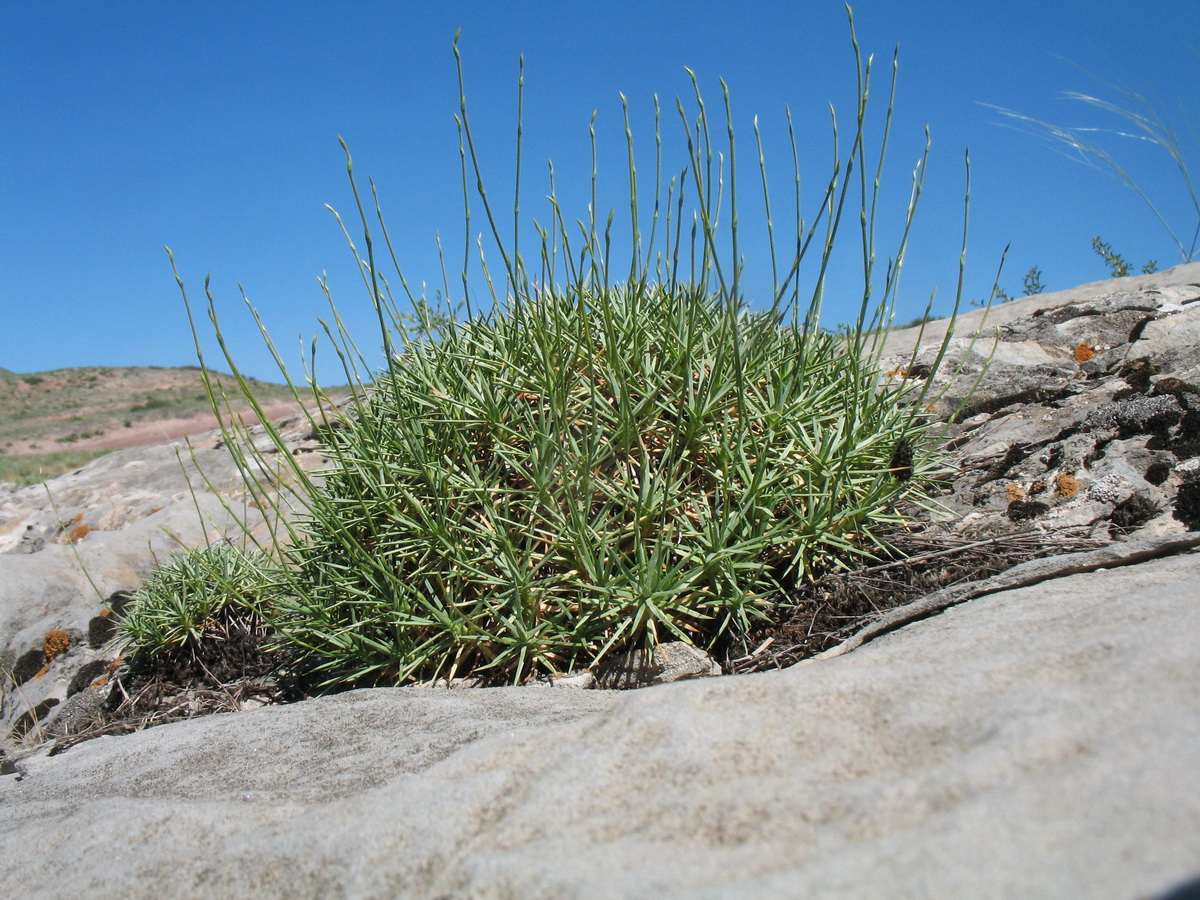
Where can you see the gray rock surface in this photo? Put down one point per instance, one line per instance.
(1088, 416)
(1036, 742)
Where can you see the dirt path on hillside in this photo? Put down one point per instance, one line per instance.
(159, 431)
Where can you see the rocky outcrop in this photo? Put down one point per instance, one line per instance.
(1039, 742)
(1034, 734)
(1089, 413)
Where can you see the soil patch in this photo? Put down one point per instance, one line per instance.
(230, 669)
(826, 612)
(52, 422)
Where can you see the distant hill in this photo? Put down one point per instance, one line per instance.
(52, 422)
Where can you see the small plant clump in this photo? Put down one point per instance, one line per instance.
(589, 471)
(195, 595)
(1118, 266)
(607, 457)
(1033, 282)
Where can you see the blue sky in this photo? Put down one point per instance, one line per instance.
(212, 128)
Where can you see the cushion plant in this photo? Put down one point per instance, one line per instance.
(603, 458)
(182, 601)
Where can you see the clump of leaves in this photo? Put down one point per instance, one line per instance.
(194, 594)
(592, 470)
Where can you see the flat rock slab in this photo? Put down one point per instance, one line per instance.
(1042, 741)
(901, 340)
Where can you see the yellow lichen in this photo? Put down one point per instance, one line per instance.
(1065, 485)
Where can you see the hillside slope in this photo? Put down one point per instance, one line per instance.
(51, 422)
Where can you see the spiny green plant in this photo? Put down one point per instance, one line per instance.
(192, 594)
(608, 455)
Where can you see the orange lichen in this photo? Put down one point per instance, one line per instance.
(1036, 487)
(73, 531)
(1016, 491)
(1066, 485)
(56, 643)
(1084, 352)
(78, 533)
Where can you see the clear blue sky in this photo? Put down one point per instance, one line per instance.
(212, 128)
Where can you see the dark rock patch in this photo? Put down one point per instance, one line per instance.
(28, 665)
(994, 404)
(1133, 512)
(1135, 333)
(1025, 510)
(103, 627)
(30, 718)
(902, 461)
(1136, 416)
(1158, 472)
(1014, 455)
(100, 631)
(1187, 501)
(1138, 372)
(88, 673)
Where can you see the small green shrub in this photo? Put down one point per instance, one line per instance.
(181, 601)
(1118, 266)
(152, 403)
(607, 456)
(592, 470)
(1033, 282)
